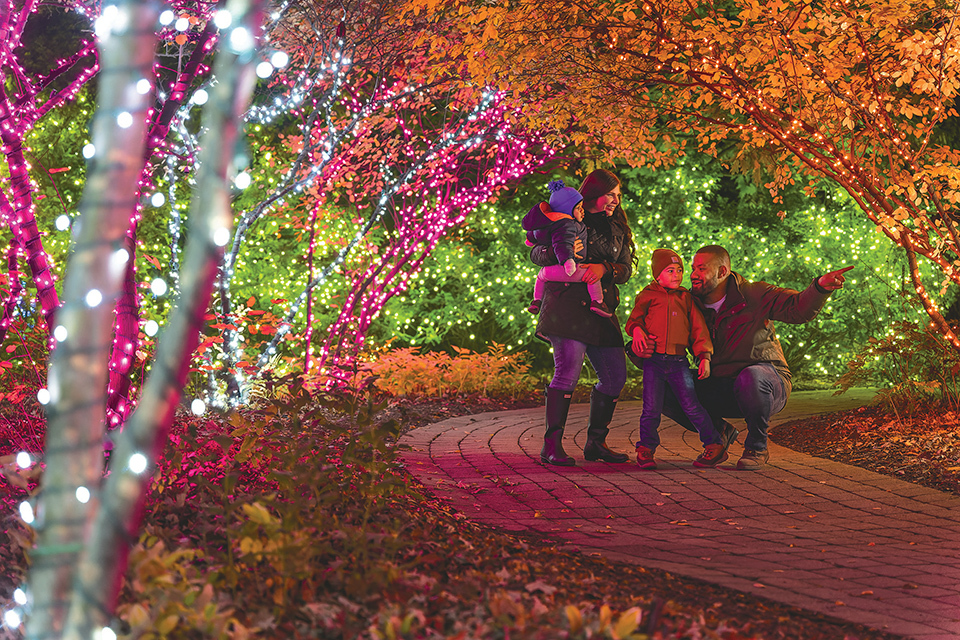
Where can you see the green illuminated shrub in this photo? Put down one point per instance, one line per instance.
(913, 365)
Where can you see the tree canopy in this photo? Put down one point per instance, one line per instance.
(787, 90)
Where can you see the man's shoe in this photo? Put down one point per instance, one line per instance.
(645, 457)
(713, 454)
(753, 460)
(728, 433)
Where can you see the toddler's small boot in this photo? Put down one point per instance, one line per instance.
(600, 308)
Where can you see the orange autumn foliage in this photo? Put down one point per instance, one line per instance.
(857, 92)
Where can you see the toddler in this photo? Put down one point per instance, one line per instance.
(559, 224)
(665, 318)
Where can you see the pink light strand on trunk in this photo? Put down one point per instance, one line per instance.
(311, 252)
(127, 322)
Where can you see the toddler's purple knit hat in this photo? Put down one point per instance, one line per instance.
(563, 198)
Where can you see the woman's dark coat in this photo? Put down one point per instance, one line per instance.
(565, 311)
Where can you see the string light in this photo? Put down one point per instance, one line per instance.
(137, 463)
(105, 633)
(12, 619)
(223, 19)
(158, 286)
(26, 512)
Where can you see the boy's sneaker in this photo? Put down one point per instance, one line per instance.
(753, 460)
(713, 454)
(534, 307)
(645, 457)
(601, 309)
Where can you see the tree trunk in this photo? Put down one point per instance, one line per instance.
(118, 521)
(78, 368)
(83, 545)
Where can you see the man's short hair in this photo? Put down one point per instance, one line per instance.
(717, 252)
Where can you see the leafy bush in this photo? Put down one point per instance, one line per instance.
(407, 372)
(913, 365)
(292, 511)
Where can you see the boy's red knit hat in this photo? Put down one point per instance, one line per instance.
(663, 258)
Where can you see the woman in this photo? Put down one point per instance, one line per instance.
(574, 331)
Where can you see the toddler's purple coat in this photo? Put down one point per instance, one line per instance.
(559, 230)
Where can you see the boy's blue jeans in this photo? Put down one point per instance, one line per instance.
(661, 372)
(755, 394)
(610, 363)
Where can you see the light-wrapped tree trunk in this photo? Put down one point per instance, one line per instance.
(83, 546)
(70, 496)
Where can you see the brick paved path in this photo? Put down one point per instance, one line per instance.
(807, 532)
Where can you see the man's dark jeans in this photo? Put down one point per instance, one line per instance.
(757, 393)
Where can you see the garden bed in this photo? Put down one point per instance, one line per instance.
(299, 525)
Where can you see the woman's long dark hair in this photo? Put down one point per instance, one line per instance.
(599, 183)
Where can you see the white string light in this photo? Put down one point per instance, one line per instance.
(12, 619)
(137, 463)
(26, 512)
(158, 287)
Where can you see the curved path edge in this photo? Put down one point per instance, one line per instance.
(804, 531)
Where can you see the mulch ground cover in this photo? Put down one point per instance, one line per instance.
(921, 448)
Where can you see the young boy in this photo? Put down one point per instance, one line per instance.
(664, 312)
(560, 224)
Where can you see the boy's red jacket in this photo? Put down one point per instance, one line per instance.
(672, 317)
